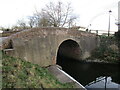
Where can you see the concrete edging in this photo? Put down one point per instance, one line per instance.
(63, 77)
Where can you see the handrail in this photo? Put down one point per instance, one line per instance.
(99, 32)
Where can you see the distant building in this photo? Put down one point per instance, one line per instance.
(119, 26)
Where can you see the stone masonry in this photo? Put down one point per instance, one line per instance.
(40, 45)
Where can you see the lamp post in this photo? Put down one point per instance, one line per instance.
(109, 23)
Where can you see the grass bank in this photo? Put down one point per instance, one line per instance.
(17, 73)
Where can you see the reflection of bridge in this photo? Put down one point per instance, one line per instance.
(41, 45)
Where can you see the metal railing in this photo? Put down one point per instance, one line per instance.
(103, 32)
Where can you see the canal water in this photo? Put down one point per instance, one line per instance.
(92, 75)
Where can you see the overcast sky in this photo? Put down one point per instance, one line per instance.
(94, 12)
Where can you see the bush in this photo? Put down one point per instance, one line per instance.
(104, 52)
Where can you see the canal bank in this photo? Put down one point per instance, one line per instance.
(63, 77)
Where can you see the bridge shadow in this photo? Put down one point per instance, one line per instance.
(69, 49)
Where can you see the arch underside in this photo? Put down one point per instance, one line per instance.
(69, 49)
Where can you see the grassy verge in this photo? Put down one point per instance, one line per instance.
(17, 73)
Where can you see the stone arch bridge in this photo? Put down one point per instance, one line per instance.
(42, 45)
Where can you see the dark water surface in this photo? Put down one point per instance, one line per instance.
(92, 75)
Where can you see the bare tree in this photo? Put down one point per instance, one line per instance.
(34, 20)
(22, 24)
(31, 21)
(57, 15)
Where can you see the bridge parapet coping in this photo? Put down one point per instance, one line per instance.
(53, 31)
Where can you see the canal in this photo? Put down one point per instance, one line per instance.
(91, 74)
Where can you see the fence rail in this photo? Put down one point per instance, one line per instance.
(102, 32)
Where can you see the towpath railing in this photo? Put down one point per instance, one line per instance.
(102, 32)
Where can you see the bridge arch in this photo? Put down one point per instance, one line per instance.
(69, 49)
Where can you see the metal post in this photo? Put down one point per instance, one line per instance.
(109, 23)
(105, 82)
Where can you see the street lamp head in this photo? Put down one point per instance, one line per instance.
(110, 11)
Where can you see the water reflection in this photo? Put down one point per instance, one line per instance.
(91, 75)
